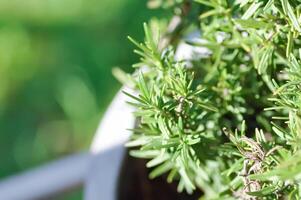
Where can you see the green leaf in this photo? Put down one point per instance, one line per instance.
(266, 55)
(252, 23)
(161, 169)
(158, 160)
(142, 140)
(134, 97)
(263, 192)
(268, 5)
(287, 9)
(149, 37)
(242, 3)
(143, 87)
(251, 10)
(160, 143)
(207, 106)
(163, 127)
(144, 153)
(234, 167)
(290, 43)
(189, 186)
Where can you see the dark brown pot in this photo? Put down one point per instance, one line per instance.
(134, 184)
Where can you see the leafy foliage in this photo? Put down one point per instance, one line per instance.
(249, 81)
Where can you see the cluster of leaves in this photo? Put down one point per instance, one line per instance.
(248, 81)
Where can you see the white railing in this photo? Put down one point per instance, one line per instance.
(97, 171)
(47, 180)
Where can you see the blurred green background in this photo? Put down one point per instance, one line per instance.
(56, 58)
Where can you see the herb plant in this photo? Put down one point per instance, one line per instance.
(226, 122)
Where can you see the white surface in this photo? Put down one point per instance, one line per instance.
(112, 130)
(46, 180)
(187, 52)
(108, 150)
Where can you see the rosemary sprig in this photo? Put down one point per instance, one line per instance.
(250, 82)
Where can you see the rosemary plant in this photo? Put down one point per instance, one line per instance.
(228, 122)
